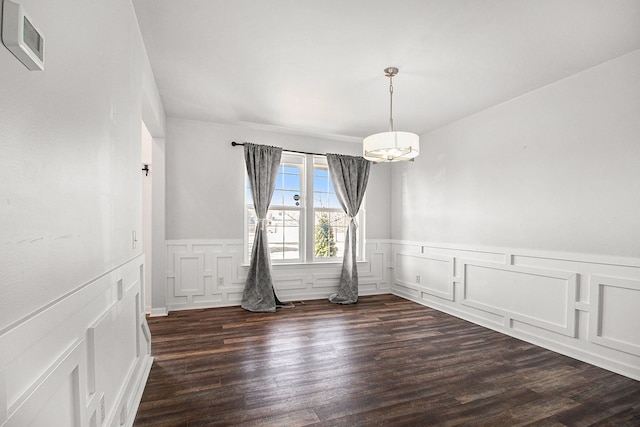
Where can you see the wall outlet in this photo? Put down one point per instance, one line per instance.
(417, 278)
(220, 281)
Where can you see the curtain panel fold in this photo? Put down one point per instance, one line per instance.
(350, 176)
(262, 163)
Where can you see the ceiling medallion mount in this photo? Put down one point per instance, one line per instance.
(391, 146)
(391, 71)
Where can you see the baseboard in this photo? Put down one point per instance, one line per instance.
(158, 312)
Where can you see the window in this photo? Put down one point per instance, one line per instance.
(305, 222)
(285, 217)
(329, 219)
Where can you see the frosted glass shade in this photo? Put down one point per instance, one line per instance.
(391, 146)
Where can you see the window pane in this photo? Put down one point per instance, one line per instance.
(291, 181)
(333, 201)
(248, 196)
(287, 186)
(283, 230)
(277, 199)
(330, 222)
(291, 198)
(324, 194)
(326, 200)
(321, 182)
(251, 230)
(290, 169)
(329, 233)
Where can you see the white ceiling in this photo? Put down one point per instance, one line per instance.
(317, 65)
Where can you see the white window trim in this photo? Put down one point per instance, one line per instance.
(306, 233)
(311, 218)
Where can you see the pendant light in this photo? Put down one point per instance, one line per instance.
(391, 146)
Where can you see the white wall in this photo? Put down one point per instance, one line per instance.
(159, 262)
(524, 217)
(205, 178)
(70, 182)
(70, 175)
(556, 169)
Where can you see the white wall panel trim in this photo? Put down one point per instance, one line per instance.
(583, 306)
(530, 253)
(57, 364)
(186, 261)
(505, 303)
(177, 242)
(425, 280)
(221, 273)
(612, 324)
(23, 411)
(606, 361)
(55, 304)
(3, 397)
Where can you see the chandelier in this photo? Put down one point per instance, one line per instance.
(391, 146)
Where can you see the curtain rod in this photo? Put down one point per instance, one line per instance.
(233, 144)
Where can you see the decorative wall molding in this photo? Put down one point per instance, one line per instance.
(55, 396)
(82, 361)
(538, 297)
(212, 273)
(580, 305)
(616, 304)
(583, 306)
(431, 274)
(520, 252)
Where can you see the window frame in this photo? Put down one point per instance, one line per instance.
(307, 209)
(322, 161)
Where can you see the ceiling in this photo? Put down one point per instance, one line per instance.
(317, 66)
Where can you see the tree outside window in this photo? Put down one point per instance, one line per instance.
(325, 242)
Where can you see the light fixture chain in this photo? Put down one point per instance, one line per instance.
(390, 103)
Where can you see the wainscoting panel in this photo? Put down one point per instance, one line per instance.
(212, 273)
(189, 273)
(431, 274)
(583, 306)
(212, 280)
(616, 319)
(82, 360)
(57, 395)
(543, 298)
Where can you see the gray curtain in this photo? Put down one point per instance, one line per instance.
(349, 175)
(262, 164)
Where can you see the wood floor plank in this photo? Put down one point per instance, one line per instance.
(384, 361)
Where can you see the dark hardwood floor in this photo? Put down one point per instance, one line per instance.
(385, 361)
